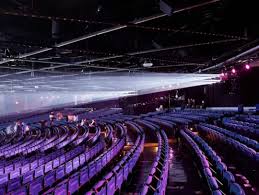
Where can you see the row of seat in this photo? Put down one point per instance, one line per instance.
(42, 181)
(251, 130)
(113, 180)
(157, 179)
(248, 156)
(82, 176)
(242, 139)
(217, 168)
(202, 162)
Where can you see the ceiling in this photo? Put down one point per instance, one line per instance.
(66, 38)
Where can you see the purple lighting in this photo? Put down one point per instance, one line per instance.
(233, 70)
(247, 67)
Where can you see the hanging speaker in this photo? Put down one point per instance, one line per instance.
(165, 7)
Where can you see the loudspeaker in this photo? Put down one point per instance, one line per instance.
(165, 7)
(240, 109)
(257, 108)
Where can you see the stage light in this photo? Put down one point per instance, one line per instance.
(247, 66)
(233, 71)
(222, 74)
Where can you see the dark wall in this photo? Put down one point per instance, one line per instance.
(242, 89)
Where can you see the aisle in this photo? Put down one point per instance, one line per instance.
(183, 177)
(141, 170)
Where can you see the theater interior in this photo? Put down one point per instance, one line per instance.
(133, 97)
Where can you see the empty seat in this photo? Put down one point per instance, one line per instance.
(49, 179)
(73, 183)
(36, 186)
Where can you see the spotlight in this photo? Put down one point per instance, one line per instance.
(222, 74)
(247, 66)
(233, 71)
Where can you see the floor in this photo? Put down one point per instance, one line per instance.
(183, 176)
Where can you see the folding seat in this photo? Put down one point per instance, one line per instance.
(84, 177)
(17, 164)
(126, 170)
(61, 189)
(34, 165)
(111, 187)
(1, 170)
(13, 184)
(60, 172)
(100, 187)
(82, 159)
(20, 191)
(9, 168)
(228, 178)
(221, 167)
(49, 179)
(108, 156)
(25, 168)
(119, 176)
(76, 163)
(104, 159)
(87, 156)
(48, 166)
(92, 169)
(3, 179)
(62, 159)
(40, 161)
(69, 167)
(39, 171)
(55, 163)
(98, 164)
(36, 186)
(73, 183)
(235, 189)
(212, 183)
(28, 177)
(145, 190)
(207, 172)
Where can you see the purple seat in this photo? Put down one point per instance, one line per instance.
(2, 190)
(111, 187)
(100, 187)
(119, 176)
(84, 176)
(61, 189)
(82, 159)
(55, 163)
(49, 179)
(9, 168)
(34, 165)
(73, 183)
(3, 179)
(20, 191)
(104, 159)
(48, 166)
(62, 159)
(213, 183)
(87, 156)
(39, 171)
(235, 189)
(28, 177)
(60, 172)
(76, 163)
(25, 168)
(92, 169)
(98, 164)
(15, 174)
(36, 186)
(13, 184)
(69, 167)
(108, 156)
